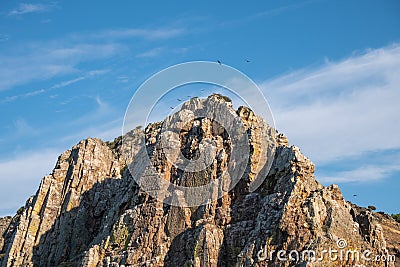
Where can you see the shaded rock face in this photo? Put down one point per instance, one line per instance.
(4, 224)
(91, 212)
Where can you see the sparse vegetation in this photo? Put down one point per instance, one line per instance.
(121, 237)
(113, 144)
(371, 207)
(20, 210)
(396, 217)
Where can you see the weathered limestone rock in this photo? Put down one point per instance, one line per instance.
(91, 212)
(60, 221)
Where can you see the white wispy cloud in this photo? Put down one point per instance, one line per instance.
(23, 128)
(33, 62)
(66, 83)
(25, 8)
(266, 13)
(150, 53)
(123, 79)
(103, 107)
(59, 85)
(147, 33)
(4, 38)
(367, 173)
(93, 73)
(341, 109)
(45, 21)
(279, 10)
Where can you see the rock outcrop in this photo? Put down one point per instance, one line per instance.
(4, 224)
(91, 212)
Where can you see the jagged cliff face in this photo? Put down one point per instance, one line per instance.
(91, 212)
(4, 223)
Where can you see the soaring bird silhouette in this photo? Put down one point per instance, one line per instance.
(219, 62)
(354, 195)
(178, 99)
(171, 107)
(247, 60)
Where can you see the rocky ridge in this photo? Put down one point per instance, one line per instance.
(91, 212)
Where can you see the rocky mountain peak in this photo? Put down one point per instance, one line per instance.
(90, 211)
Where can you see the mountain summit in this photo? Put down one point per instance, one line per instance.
(90, 211)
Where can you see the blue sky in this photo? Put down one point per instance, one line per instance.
(329, 69)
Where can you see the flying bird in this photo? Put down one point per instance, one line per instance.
(219, 62)
(247, 60)
(354, 195)
(171, 107)
(178, 99)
